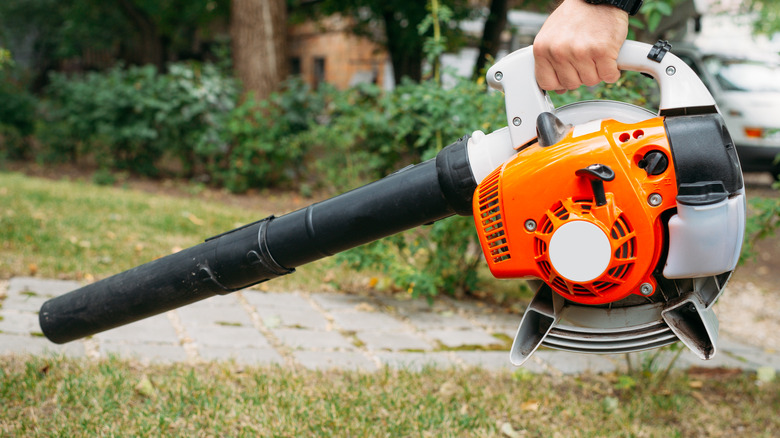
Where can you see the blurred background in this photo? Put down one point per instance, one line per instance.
(177, 87)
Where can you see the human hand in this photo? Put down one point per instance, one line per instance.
(579, 45)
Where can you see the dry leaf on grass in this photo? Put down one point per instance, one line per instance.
(145, 388)
(195, 220)
(531, 405)
(508, 431)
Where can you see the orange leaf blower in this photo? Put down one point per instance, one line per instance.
(627, 222)
(633, 221)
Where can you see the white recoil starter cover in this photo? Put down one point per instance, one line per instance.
(580, 251)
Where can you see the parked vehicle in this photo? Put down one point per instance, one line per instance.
(747, 90)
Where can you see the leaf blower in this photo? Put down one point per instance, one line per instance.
(627, 223)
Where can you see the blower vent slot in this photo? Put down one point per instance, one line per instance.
(560, 211)
(541, 246)
(560, 284)
(619, 272)
(490, 215)
(622, 231)
(579, 289)
(585, 205)
(620, 228)
(546, 269)
(547, 226)
(499, 231)
(601, 286)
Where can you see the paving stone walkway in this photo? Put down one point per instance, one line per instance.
(319, 331)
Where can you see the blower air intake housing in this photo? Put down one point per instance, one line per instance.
(597, 214)
(633, 228)
(584, 214)
(629, 223)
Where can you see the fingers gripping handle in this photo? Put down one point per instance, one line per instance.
(682, 91)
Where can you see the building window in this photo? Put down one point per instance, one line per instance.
(319, 71)
(295, 66)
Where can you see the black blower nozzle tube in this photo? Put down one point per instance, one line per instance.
(416, 195)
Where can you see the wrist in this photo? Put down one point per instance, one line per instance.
(630, 6)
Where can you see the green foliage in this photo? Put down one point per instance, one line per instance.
(632, 87)
(444, 257)
(653, 12)
(762, 222)
(130, 118)
(420, 111)
(435, 45)
(17, 116)
(263, 143)
(51, 31)
(5, 58)
(426, 261)
(365, 133)
(768, 16)
(401, 20)
(186, 121)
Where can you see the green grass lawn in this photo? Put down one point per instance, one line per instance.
(77, 230)
(58, 397)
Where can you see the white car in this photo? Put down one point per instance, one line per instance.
(747, 91)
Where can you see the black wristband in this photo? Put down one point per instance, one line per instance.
(630, 6)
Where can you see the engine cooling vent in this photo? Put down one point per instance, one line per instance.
(623, 258)
(492, 227)
(625, 255)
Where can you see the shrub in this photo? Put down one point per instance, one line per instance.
(262, 143)
(762, 222)
(129, 118)
(366, 133)
(352, 141)
(412, 124)
(425, 261)
(17, 116)
(188, 119)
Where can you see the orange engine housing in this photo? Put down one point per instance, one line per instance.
(521, 205)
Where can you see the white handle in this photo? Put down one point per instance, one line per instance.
(514, 74)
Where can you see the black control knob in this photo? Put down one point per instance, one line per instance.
(654, 163)
(597, 174)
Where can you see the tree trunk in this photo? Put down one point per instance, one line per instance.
(406, 53)
(491, 35)
(258, 30)
(152, 49)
